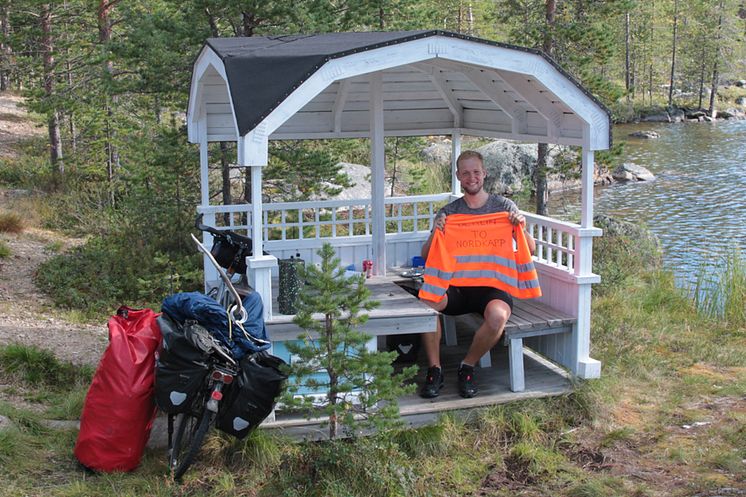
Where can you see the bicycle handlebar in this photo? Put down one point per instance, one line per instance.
(238, 308)
(241, 240)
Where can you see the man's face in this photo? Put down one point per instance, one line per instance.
(471, 174)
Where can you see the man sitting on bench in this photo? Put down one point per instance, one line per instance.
(493, 304)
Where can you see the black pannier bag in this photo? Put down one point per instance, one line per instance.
(407, 347)
(252, 397)
(180, 370)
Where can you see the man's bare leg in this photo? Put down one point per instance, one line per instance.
(496, 314)
(431, 343)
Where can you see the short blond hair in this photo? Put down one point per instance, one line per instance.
(469, 154)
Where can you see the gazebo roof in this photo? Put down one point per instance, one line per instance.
(433, 82)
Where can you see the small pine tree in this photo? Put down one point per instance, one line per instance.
(360, 385)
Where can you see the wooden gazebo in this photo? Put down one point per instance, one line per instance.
(373, 85)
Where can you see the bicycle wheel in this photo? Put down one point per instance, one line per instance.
(189, 432)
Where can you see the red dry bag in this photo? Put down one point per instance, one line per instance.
(119, 408)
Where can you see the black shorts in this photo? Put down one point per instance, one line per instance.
(465, 300)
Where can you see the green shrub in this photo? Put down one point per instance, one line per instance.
(107, 272)
(624, 251)
(10, 222)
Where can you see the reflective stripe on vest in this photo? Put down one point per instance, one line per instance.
(477, 250)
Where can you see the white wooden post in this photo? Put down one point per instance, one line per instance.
(586, 200)
(259, 266)
(211, 274)
(455, 152)
(585, 366)
(378, 178)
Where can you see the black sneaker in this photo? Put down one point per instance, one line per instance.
(433, 383)
(467, 386)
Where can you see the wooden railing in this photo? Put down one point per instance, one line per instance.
(328, 218)
(558, 243)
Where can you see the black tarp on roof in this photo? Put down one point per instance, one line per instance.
(263, 71)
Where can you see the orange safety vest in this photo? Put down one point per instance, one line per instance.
(477, 250)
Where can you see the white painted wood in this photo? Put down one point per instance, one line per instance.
(378, 172)
(208, 63)
(483, 81)
(259, 269)
(441, 85)
(586, 213)
(515, 351)
(521, 84)
(506, 59)
(256, 209)
(204, 180)
(255, 150)
(339, 104)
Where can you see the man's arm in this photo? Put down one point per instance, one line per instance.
(438, 224)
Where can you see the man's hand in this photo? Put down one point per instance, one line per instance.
(440, 222)
(517, 218)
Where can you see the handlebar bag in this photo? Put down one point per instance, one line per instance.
(180, 369)
(253, 396)
(224, 252)
(118, 412)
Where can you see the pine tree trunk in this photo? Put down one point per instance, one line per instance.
(105, 8)
(627, 77)
(712, 111)
(701, 78)
(715, 69)
(5, 50)
(673, 51)
(540, 173)
(53, 123)
(71, 117)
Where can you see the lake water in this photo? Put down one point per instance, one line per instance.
(697, 204)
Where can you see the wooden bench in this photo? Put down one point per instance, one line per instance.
(529, 319)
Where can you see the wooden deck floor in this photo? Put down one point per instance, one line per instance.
(543, 379)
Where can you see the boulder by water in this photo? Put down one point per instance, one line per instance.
(741, 101)
(732, 113)
(613, 226)
(645, 134)
(632, 172)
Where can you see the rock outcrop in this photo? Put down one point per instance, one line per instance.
(632, 172)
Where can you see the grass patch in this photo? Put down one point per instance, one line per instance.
(54, 247)
(4, 250)
(10, 222)
(39, 367)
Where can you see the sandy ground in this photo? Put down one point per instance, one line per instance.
(26, 314)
